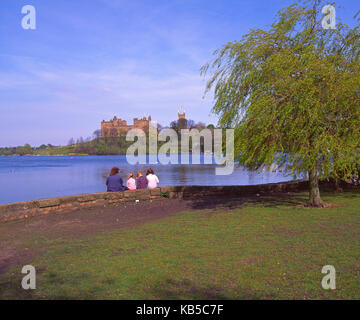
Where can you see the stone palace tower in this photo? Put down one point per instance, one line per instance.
(118, 127)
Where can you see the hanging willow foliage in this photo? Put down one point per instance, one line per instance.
(292, 93)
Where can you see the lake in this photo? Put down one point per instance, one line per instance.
(30, 178)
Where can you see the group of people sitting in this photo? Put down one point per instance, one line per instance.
(114, 182)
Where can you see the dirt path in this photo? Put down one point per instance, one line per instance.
(17, 238)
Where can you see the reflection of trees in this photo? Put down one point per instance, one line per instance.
(195, 174)
(182, 174)
(252, 176)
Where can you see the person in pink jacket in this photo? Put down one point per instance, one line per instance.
(131, 183)
(152, 179)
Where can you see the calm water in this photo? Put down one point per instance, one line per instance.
(30, 178)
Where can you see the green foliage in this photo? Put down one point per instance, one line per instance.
(98, 146)
(179, 124)
(7, 151)
(165, 194)
(293, 94)
(25, 150)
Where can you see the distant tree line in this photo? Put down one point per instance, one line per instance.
(95, 144)
(26, 149)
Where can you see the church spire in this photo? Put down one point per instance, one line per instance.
(181, 113)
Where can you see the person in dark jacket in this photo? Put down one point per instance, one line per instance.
(114, 181)
(141, 181)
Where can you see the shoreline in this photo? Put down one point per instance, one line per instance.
(86, 154)
(55, 155)
(26, 209)
(23, 210)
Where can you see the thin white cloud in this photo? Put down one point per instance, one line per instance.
(92, 96)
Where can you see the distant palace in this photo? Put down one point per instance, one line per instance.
(118, 127)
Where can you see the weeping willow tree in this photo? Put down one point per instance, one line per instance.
(292, 94)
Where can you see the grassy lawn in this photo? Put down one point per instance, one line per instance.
(259, 251)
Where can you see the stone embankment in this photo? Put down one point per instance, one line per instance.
(24, 210)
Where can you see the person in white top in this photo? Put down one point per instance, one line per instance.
(152, 179)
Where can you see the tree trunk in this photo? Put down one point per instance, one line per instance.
(314, 194)
(337, 186)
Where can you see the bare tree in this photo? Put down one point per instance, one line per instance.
(200, 125)
(191, 124)
(71, 142)
(159, 127)
(97, 134)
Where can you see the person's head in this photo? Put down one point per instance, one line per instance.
(149, 171)
(139, 174)
(114, 171)
(130, 175)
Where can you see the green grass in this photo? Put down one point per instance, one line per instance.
(254, 252)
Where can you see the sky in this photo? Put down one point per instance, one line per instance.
(87, 61)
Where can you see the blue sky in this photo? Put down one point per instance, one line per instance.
(90, 60)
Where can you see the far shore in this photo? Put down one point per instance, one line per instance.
(47, 155)
(76, 154)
